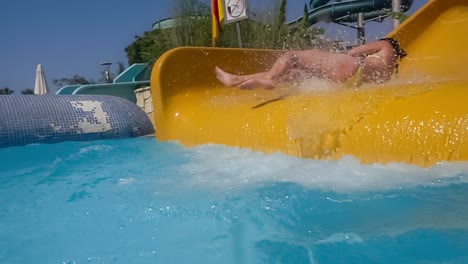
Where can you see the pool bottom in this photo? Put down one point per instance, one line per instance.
(88, 202)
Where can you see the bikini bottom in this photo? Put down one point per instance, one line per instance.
(355, 80)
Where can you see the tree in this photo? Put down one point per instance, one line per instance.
(282, 14)
(75, 79)
(6, 91)
(149, 46)
(193, 24)
(192, 27)
(27, 92)
(305, 17)
(282, 29)
(134, 50)
(80, 80)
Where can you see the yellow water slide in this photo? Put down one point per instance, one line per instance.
(419, 117)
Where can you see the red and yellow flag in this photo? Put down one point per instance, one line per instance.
(217, 15)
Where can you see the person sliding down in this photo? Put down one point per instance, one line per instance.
(374, 62)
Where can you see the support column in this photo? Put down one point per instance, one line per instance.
(361, 30)
(396, 8)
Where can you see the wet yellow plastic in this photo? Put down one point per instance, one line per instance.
(419, 118)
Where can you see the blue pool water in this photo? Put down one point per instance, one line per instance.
(143, 201)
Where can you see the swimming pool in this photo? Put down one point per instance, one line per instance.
(142, 201)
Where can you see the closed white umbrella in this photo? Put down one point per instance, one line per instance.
(41, 84)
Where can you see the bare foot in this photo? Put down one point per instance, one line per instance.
(247, 82)
(226, 78)
(257, 83)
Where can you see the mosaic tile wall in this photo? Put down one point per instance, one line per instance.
(27, 119)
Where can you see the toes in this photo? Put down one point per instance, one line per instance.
(222, 76)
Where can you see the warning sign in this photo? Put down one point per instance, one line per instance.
(235, 10)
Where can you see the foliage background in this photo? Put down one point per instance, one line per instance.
(193, 28)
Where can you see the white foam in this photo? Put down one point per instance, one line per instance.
(308, 84)
(350, 238)
(312, 84)
(95, 148)
(126, 181)
(220, 166)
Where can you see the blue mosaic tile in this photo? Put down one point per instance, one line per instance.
(27, 119)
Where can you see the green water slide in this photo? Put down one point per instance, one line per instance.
(124, 85)
(346, 11)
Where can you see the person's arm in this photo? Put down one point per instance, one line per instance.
(367, 49)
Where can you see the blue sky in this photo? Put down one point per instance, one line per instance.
(73, 37)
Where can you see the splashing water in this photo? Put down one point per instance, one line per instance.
(211, 165)
(141, 201)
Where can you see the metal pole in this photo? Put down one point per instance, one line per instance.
(239, 38)
(361, 30)
(106, 66)
(396, 8)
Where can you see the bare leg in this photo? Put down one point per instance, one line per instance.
(233, 79)
(258, 82)
(266, 79)
(324, 65)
